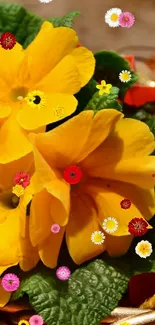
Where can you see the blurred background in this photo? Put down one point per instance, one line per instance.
(91, 27)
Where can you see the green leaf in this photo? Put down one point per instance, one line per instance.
(66, 21)
(90, 294)
(108, 66)
(25, 25)
(98, 102)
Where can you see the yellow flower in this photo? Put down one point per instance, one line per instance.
(112, 154)
(125, 323)
(104, 88)
(18, 190)
(35, 82)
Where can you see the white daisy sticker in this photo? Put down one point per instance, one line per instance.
(110, 225)
(125, 76)
(45, 1)
(112, 17)
(97, 237)
(143, 249)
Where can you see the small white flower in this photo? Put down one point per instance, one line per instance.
(110, 225)
(45, 1)
(143, 249)
(125, 76)
(97, 237)
(112, 17)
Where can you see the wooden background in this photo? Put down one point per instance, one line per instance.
(91, 28)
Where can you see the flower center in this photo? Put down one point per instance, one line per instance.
(18, 94)
(37, 100)
(126, 19)
(114, 17)
(125, 76)
(10, 281)
(9, 200)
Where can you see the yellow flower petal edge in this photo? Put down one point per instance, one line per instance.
(4, 296)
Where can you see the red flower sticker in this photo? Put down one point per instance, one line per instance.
(22, 179)
(7, 41)
(137, 227)
(125, 204)
(72, 174)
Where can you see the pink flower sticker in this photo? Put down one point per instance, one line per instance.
(10, 282)
(36, 320)
(63, 273)
(55, 228)
(126, 19)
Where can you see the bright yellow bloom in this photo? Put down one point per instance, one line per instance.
(104, 88)
(112, 154)
(35, 82)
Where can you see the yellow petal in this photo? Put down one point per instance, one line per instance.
(98, 134)
(85, 63)
(14, 248)
(136, 171)
(47, 114)
(14, 142)
(52, 180)
(28, 255)
(4, 296)
(72, 141)
(117, 246)
(108, 196)
(10, 63)
(58, 42)
(50, 248)
(40, 227)
(64, 78)
(5, 110)
(130, 138)
(82, 223)
(103, 83)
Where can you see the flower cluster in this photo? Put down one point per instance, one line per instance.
(89, 179)
(115, 18)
